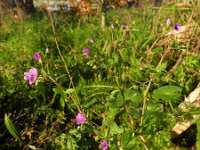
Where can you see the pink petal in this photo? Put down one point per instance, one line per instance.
(33, 72)
(27, 76)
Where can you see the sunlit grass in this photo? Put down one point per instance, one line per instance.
(127, 82)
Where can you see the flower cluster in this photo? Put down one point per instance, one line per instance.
(86, 51)
(47, 50)
(80, 119)
(168, 21)
(112, 26)
(123, 26)
(91, 40)
(104, 145)
(177, 27)
(36, 56)
(32, 74)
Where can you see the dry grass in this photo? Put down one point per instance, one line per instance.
(9, 10)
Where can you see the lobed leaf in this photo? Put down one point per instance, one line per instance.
(167, 93)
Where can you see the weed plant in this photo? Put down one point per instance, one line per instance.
(122, 92)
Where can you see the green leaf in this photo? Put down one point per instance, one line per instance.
(115, 129)
(62, 103)
(43, 72)
(125, 139)
(167, 93)
(113, 94)
(110, 116)
(63, 96)
(69, 91)
(161, 67)
(12, 129)
(58, 90)
(135, 97)
(158, 50)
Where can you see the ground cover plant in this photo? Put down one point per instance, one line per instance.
(68, 84)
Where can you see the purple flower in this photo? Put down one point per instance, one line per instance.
(36, 56)
(104, 145)
(177, 27)
(123, 26)
(31, 76)
(168, 21)
(80, 119)
(112, 26)
(91, 40)
(47, 50)
(86, 51)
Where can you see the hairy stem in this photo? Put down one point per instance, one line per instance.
(144, 101)
(65, 65)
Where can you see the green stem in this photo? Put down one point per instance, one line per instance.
(65, 66)
(144, 101)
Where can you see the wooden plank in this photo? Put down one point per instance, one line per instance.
(192, 100)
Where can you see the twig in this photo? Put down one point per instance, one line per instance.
(172, 70)
(124, 100)
(54, 81)
(193, 71)
(143, 142)
(126, 108)
(65, 66)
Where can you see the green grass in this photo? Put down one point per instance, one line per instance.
(126, 86)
